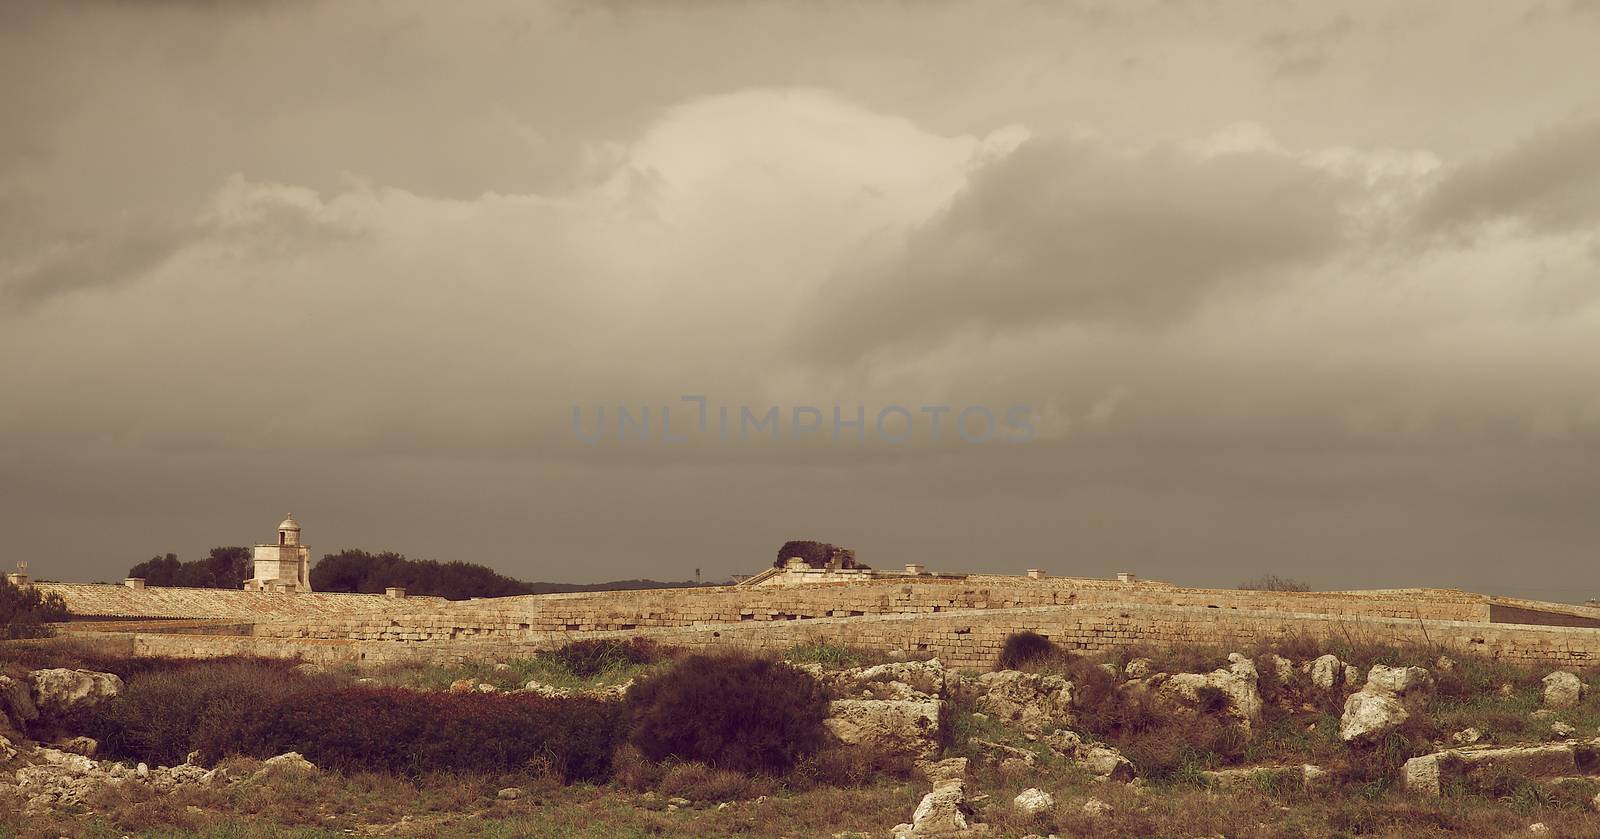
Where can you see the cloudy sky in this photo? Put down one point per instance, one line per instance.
(1306, 288)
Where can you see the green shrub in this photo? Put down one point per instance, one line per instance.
(593, 657)
(25, 613)
(242, 709)
(1022, 649)
(734, 712)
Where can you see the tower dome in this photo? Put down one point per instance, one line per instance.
(289, 523)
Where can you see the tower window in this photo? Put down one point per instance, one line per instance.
(283, 538)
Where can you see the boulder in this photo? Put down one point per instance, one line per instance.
(463, 685)
(1102, 761)
(16, 703)
(1027, 700)
(1326, 671)
(289, 765)
(1239, 681)
(1385, 702)
(1095, 808)
(906, 726)
(1466, 736)
(1034, 801)
(85, 746)
(1563, 690)
(943, 814)
(1282, 668)
(1407, 683)
(895, 680)
(1138, 668)
(1370, 715)
(8, 752)
(59, 690)
(1428, 773)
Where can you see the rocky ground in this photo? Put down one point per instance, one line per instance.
(1007, 753)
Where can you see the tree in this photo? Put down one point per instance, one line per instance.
(359, 571)
(225, 567)
(25, 613)
(816, 554)
(1273, 582)
(158, 571)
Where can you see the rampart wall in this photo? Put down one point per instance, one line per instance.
(966, 639)
(519, 618)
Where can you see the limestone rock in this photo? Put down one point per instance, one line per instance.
(59, 690)
(1370, 715)
(1427, 773)
(509, 794)
(1538, 829)
(1388, 699)
(1138, 668)
(1563, 690)
(85, 746)
(8, 752)
(1466, 736)
(1406, 683)
(1282, 668)
(287, 765)
(907, 726)
(1239, 681)
(1034, 801)
(542, 689)
(16, 703)
(1104, 762)
(463, 685)
(1562, 730)
(1326, 671)
(895, 680)
(1096, 808)
(943, 814)
(949, 769)
(1027, 700)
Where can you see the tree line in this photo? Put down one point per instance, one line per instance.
(358, 571)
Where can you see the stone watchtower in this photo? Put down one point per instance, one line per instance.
(285, 566)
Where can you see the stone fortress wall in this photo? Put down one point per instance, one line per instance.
(960, 619)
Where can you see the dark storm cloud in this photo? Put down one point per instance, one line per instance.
(1549, 182)
(1072, 232)
(90, 263)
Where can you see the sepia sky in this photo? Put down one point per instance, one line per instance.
(1310, 288)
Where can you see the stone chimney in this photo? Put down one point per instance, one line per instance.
(1036, 573)
(134, 583)
(914, 569)
(394, 592)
